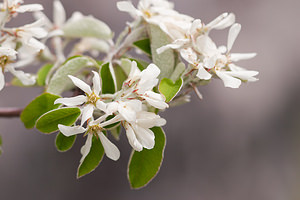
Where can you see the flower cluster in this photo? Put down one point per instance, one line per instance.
(20, 41)
(190, 37)
(127, 106)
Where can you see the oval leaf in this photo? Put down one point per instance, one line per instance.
(37, 107)
(48, 122)
(60, 80)
(170, 89)
(64, 143)
(93, 159)
(144, 45)
(87, 26)
(42, 74)
(108, 86)
(179, 69)
(143, 166)
(166, 60)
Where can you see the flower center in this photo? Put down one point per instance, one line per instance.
(93, 129)
(4, 60)
(147, 13)
(92, 98)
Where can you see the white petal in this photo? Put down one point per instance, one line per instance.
(233, 33)
(134, 71)
(151, 72)
(203, 74)
(136, 145)
(206, 46)
(29, 8)
(96, 83)
(2, 81)
(25, 78)
(229, 81)
(149, 120)
(70, 130)
(197, 24)
(217, 20)
(39, 15)
(110, 149)
(33, 45)
(210, 62)
(72, 101)
(87, 113)
(175, 45)
(111, 108)
(80, 84)
(126, 6)
(145, 137)
(156, 100)
(101, 105)
(7, 51)
(85, 149)
(234, 57)
(59, 14)
(189, 55)
(244, 75)
(127, 112)
(226, 22)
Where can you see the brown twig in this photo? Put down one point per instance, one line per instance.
(10, 112)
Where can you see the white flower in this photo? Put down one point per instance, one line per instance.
(14, 6)
(159, 12)
(7, 56)
(219, 60)
(91, 99)
(126, 109)
(27, 35)
(137, 123)
(94, 127)
(196, 29)
(141, 84)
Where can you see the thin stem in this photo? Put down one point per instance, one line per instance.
(10, 112)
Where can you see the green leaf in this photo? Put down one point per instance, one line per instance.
(170, 89)
(48, 122)
(126, 65)
(64, 143)
(144, 45)
(93, 159)
(143, 166)
(108, 86)
(120, 76)
(179, 69)
(165, 61)
(140, 63)
(38, 107)
(42, 74)
(60, 81)
(87, 26)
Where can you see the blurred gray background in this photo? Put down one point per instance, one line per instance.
(235, 144)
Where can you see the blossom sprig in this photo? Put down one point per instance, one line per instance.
(116, 92)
